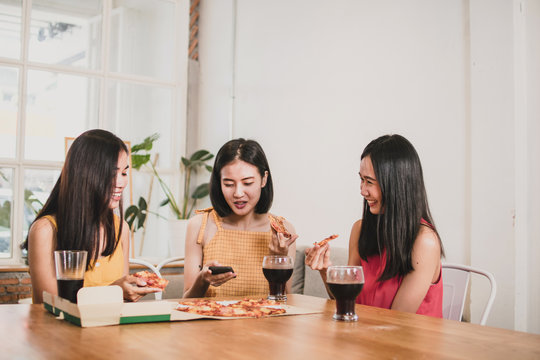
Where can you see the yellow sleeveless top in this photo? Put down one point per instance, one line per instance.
(105, 270)
(243, 250)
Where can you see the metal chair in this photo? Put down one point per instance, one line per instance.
(164, 262)
(150, 266)
(455, 284)
(176, 283)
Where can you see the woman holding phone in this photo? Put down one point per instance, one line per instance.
(236, 231)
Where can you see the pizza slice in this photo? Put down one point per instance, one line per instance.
(323, 242)
(152, 279)
(277, 224)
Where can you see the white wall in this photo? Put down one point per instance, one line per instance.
(315, 80)
(528, 296)
(492, 156)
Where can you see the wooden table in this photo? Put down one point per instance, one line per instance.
(29, 332)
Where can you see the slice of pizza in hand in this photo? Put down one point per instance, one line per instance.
(277, 224)
(152, 279)
(323, 242)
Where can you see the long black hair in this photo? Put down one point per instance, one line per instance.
(80, 198)
(404, 205)
(251, 152)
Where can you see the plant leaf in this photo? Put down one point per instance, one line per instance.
(146, 144)
(139, 160)
(142, 204)
(198, 155)
(201, 191)
(131, 215)
(164, 202)
(185, 161)
(208, 167)
(141, 218)
(207, 157)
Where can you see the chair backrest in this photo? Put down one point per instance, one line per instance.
(455, 284)
(175, 289)
(151, 267)
(164, 262)
(307, 281)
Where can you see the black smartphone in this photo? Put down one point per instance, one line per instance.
(220, 269)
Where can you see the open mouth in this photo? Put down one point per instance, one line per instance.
(240, 204)
(371, 203)
(117, 195)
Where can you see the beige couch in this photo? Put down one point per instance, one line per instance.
(304, 280)
(307, 281)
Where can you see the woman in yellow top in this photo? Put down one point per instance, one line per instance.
(79, 215)
(236, 232)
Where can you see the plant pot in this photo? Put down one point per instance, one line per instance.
(177, 237)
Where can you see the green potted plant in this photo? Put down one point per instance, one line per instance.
(181, 207)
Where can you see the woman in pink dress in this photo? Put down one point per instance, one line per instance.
(395, 242)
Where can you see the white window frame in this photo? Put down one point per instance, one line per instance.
(178, 86)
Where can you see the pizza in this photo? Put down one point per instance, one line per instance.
(152, 279)
(242, 308)
(323, 242)
(277, 224)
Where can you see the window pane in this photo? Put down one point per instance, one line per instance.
(155, 241)
(58, 106)
(38, 185)
(142, 38)
(6, 212)
(10, 28)
(136, 111)
(9, 91)
(66, 32)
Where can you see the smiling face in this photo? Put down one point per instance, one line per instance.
(241, 185)
(121, 180)
(369, 186)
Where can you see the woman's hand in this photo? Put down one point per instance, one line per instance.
(134, 287)
(208, 278)
(279, 245)
(318, 257)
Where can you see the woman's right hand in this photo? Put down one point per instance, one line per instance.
(318, 257)
(134, 287)
(206, 276)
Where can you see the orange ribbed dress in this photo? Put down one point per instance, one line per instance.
(243, 250)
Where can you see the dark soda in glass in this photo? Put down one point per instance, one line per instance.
(345, 294)
(68, 288)
(277, 278)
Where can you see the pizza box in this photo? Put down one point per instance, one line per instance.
(104, 305)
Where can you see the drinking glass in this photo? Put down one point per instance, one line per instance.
(345, 283)
(277, 269)
(70, 267)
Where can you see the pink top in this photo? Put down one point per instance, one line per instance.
(382, 293)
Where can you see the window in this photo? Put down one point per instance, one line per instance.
(71, 65)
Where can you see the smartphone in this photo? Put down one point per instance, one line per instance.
(220, 269)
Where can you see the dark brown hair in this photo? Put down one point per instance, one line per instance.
(399, 173)
(251, 152)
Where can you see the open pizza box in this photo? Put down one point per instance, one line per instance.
(104, 305)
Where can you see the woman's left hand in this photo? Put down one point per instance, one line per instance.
(133, 287)
(279, 245)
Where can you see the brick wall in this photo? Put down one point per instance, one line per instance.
(14, 286)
